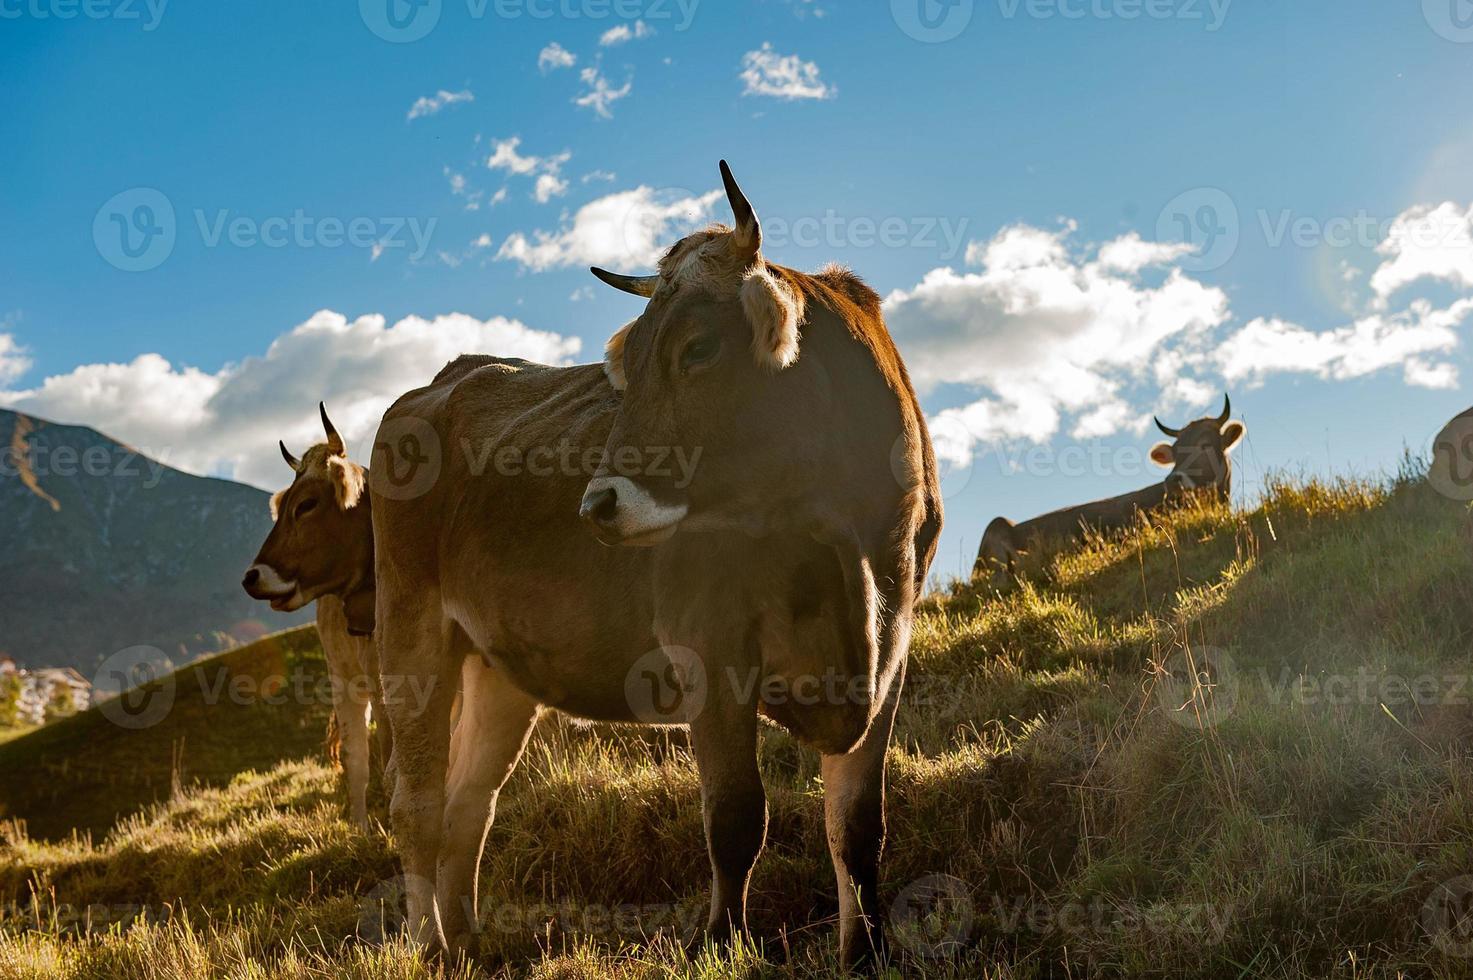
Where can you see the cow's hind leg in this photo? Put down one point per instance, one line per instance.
(496, 719)
(854, 817)
(419, 674)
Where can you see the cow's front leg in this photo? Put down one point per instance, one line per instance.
(854, 816)
(419, 675)
(496, 719)
(723, 734)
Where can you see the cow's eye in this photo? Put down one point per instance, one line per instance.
(304, 508)
(701, 350)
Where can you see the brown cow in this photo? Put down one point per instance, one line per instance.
(799, 546)
(1199, 461)
(321, 549)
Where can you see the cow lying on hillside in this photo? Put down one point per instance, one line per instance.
(1199, 461)
(321, 549)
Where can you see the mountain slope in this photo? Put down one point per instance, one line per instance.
(103, 549)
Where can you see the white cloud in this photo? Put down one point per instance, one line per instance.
(1372, 343)
(482, 241)
(497, 198)
(13, 359)
(625, 231)
(548, 187)
(1131, 253)
(505, 155)
(624, 33)
(1426, 242)
(1054, 336)
(428, 105)
(555, 56)
(601, 95)
(1047, 332)
(601, 175)
(227, 422)
(768, 73)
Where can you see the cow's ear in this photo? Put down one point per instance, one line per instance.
(347, 481)
(276, 504)
(774, 310)
(1232, 434)
(1162, 454)
(614, 357)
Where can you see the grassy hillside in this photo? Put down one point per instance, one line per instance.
(214, 718)
(1224, 745)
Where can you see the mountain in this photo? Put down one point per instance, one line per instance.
(103, 549)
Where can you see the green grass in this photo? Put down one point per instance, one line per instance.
(225, 715)
(1096, 813)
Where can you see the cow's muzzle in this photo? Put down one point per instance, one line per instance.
(262, 582)
(621, 512)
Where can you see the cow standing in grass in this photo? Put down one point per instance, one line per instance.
(800, 545)
(485, 572)
(321, 549)
(1199, 461)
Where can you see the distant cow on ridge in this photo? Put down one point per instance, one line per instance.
(1198, 457)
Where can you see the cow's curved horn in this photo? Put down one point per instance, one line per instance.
(1227, 409)
(334, 441)
(638, 285)
(747, 238)
(292, 461)
(1174, 433)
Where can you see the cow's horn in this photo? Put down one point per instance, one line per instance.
(1174, 433)
(334, 441)
(747, 238)
(291, 460)
(638, 285)
(1227, 409)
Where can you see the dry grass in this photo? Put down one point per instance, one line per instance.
(1288, 808)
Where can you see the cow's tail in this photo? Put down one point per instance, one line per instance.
(997, 555)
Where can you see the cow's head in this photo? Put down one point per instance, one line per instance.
(1198, 456)
(322, 541)
(721, 419)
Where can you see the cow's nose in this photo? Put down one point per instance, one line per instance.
(252, 576)
(600, 507)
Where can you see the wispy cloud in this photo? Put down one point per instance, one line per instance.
(601, 95)
(14, 361)
(554, 57)
(767, 73)
(428, 105)
(506, 155)
(625, 33)
(626, 230)
(548, 187)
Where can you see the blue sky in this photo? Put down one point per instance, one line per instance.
(1014, 154)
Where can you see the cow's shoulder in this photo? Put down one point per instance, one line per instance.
(466, 363)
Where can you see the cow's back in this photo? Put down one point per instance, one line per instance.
(497, 530)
